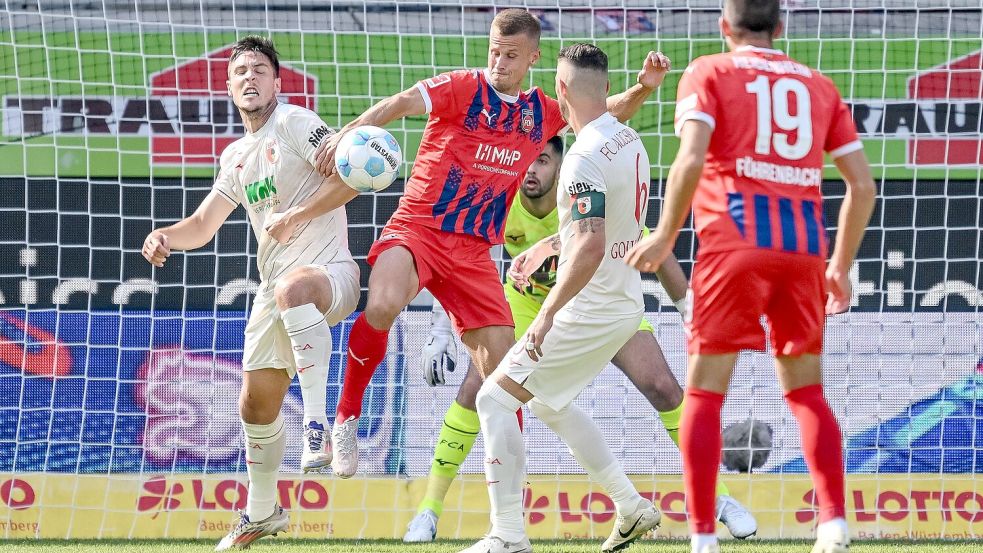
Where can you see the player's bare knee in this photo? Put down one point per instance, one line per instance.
(468, 391)
(301, 286)
(257, 408)
(382, 308)
(664, 394)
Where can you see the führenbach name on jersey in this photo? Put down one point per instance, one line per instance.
(785, 174)
(778, 67)
(618, 141)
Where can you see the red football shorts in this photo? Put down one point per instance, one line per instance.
(456, 268)
(733, 289)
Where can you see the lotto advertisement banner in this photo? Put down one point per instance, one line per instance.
(918, 506)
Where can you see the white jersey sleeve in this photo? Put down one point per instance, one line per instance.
(226, 184)
(584, 175)
(304, 132)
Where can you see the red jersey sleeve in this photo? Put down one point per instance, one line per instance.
(696, 96)
(842, 137)
(442, 93)
(553, 118)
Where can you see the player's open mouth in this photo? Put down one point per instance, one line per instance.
(530, 181)
(251, 92)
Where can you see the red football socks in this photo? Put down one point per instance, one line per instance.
(700, 443)
(366, 350)
(822, 447)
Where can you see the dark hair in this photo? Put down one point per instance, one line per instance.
(585, 56)
(514, 21)
(753, 16)
(557, 143)
(260, 45)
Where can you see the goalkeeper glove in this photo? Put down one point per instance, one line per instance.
(439, 355)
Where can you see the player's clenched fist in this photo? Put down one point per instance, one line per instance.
(529, 261)
(156, 248)
(649, 253)
(839, 290)
(654, 69)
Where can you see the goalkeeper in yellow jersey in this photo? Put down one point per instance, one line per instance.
(530, 228)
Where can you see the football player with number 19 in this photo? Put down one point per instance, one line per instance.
(753, 126)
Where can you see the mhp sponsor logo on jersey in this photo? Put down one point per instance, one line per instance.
(943, 121)
(187, 112)
(494, 154)
(158, 392)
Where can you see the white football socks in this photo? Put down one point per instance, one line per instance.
(702, 542)
(505, 460)
(310, 337)
(575, 427)
(832, 530)
(264, 453)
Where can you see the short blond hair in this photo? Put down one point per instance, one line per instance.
(514, 21)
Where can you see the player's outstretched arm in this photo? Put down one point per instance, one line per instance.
(332, 194)
(527, 262)
(586, 251)
(189, 233)
(405, 104)
(855, 212)
(684, 175)
(626, 104)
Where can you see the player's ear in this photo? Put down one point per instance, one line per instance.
(779, 29)
(535, 57)
(276, 86)
(228, 86)
(724, 27)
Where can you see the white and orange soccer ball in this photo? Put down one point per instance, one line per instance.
(368, 158)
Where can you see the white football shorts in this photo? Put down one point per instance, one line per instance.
(267, 345)
(575, 351)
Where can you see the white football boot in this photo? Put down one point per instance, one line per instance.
(738, 520)
(423, 527)
(832, 537)
(317, 450)
(344, 440)
(245, 532)
(630, 527)
(494, 544)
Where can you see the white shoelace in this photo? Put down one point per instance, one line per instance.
(347, 434)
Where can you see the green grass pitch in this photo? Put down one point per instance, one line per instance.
(276, 545)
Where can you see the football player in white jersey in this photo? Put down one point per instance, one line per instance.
(591, 312)
(308, 279)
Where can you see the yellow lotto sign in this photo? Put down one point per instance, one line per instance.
(179, 506)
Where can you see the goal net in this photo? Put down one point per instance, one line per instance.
(119, 382)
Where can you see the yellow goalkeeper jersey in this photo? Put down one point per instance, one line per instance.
(522, 230)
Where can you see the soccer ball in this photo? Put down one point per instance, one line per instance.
(368, 158)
